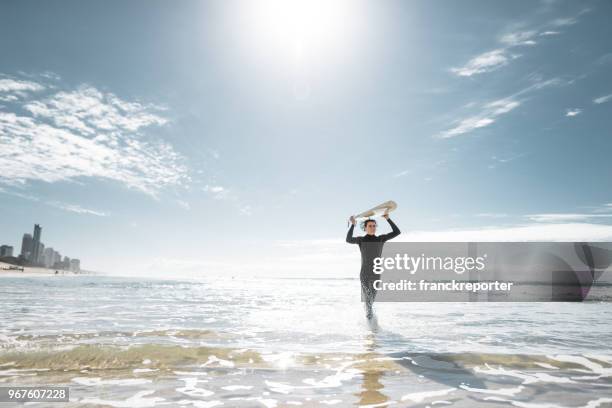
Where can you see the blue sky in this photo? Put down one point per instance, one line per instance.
(191, 135)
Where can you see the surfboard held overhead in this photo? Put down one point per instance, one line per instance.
(379, 210)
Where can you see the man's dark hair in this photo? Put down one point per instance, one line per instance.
(364, 224)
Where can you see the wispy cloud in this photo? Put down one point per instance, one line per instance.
(12, 89)
(497, 160)
(573, 112)
(563, 22)
(75, 134)
(57, 204)
(492, 215)
(246, 210)
(184, 204)
(502, 55)
(519, 38)
(602, 99)
(554, 232)
(565, 217)
(77, 209)
(402, 173)
(485, 62)
(217, 192)
(488, 114)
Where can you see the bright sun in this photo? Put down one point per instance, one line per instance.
(301, 29)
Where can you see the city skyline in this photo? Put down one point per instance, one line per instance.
(34, 253)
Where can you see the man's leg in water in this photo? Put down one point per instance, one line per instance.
(368, 293)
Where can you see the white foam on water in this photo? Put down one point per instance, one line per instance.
(549, 366)
(144, 370)
(97, 381)
(420, 396)
(583, 361)
(330, 402)
(137, 400)
(200, 404)
(267, 402)
(11, 373)
(191, 388)
(190, 372)
(590, 404)
(280, 360)
(220, 362)
(599, 370)
(500, 391)
(527, 378)
(236, 387)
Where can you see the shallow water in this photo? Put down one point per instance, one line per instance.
(294, 342)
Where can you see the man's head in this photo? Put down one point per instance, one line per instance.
(369, 226)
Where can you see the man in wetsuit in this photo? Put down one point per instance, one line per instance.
(371, 247)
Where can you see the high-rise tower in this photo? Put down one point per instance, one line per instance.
(36, 243)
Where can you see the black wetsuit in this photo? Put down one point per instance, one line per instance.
(371, 247)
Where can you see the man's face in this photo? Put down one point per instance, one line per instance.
(370, 228)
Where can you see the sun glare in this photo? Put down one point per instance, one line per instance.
(301, 29)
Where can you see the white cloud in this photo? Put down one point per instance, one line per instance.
(57, 204)
(214, 153)
(218, 192)
(467, 125)
(492, 215)
(489, 112)
(602, 99)
(77, 209)
(573, 112)
(87, 133)
(502, 106)
(519, 38)
(564, 217)
(554, 232)
(402, 173)
(12, 90)
(500, 57)
(486, 117)
(485, 62)
(230, 196)
(87, 111)
(184, 204)
(11, 85)
(496, 160)
(562, 22)
(246, 210)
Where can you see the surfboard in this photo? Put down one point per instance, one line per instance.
(379, 210)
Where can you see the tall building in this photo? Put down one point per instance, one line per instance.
(75, 265)
(36, 243)
(26, 246)
(6, 250)
(41, 251)
(48, 258)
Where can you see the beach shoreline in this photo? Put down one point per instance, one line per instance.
(10, 269)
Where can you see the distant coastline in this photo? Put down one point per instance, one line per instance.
(7, 268)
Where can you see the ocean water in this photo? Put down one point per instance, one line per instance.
(127, 342)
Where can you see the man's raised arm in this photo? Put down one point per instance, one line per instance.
(395, 231)
(349, 235)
